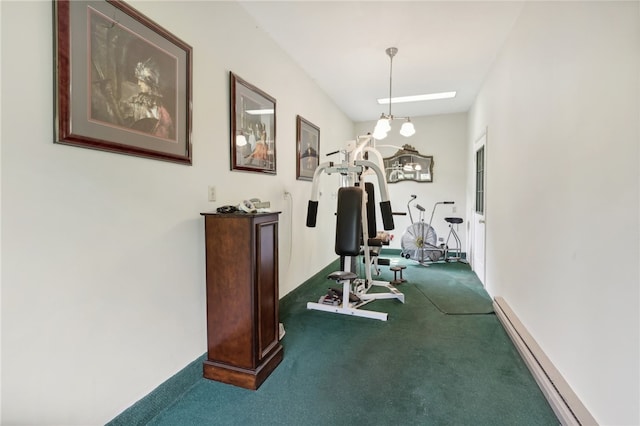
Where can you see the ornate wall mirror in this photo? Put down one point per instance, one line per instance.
(408, 165)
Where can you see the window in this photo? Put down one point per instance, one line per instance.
(480, 180)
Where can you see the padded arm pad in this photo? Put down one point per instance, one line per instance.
(312, 214)
(387, 215)
(374, 242)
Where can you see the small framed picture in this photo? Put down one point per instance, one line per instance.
(253, 128)
(123, 82)
(308, 148)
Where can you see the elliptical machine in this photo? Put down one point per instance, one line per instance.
(420, 241)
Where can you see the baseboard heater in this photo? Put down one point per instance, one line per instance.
(564, 402)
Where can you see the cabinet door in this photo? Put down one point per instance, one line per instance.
(230, 325)
(267, 286)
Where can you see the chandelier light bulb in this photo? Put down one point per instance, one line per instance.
(407, 129)
(383, 125)
(379, 134)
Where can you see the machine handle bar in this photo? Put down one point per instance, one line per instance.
(436, 205)
(413, 197)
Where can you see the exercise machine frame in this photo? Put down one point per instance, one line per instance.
(351, 173)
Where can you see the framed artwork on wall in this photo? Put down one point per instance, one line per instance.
(307, 149)
(253, 128)
(407, 164)
(123, 83)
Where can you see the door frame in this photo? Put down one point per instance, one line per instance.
(480, 142)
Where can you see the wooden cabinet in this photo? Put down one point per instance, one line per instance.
(242, 298)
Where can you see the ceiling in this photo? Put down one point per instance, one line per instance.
(442, 46)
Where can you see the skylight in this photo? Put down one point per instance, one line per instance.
(418, 98)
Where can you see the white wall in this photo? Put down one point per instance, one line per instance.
(103, 287)
(444, 137)
(561, 105)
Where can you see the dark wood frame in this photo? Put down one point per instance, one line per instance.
(91, 87)
(312, 153)
(261, 157)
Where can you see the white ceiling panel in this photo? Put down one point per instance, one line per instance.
(442, 46)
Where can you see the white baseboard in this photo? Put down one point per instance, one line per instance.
(564, 402)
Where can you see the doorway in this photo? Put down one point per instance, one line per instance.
(479, 211)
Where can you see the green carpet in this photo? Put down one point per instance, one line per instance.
(421, 367)
(454, 290)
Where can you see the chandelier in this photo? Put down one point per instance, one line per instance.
(384, 123)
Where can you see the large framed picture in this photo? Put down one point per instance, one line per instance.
(253, 128)
(308, 148)
(123, 82)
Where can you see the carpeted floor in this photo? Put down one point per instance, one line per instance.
(442, 358)
(453, 290)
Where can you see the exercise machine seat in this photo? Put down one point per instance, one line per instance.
(342, 275)
(455, 220)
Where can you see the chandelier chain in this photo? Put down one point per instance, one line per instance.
(384, 123)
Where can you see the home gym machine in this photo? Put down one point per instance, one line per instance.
(420, 241)
(352, 232)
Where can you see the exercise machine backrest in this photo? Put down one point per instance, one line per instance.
(349, 221)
